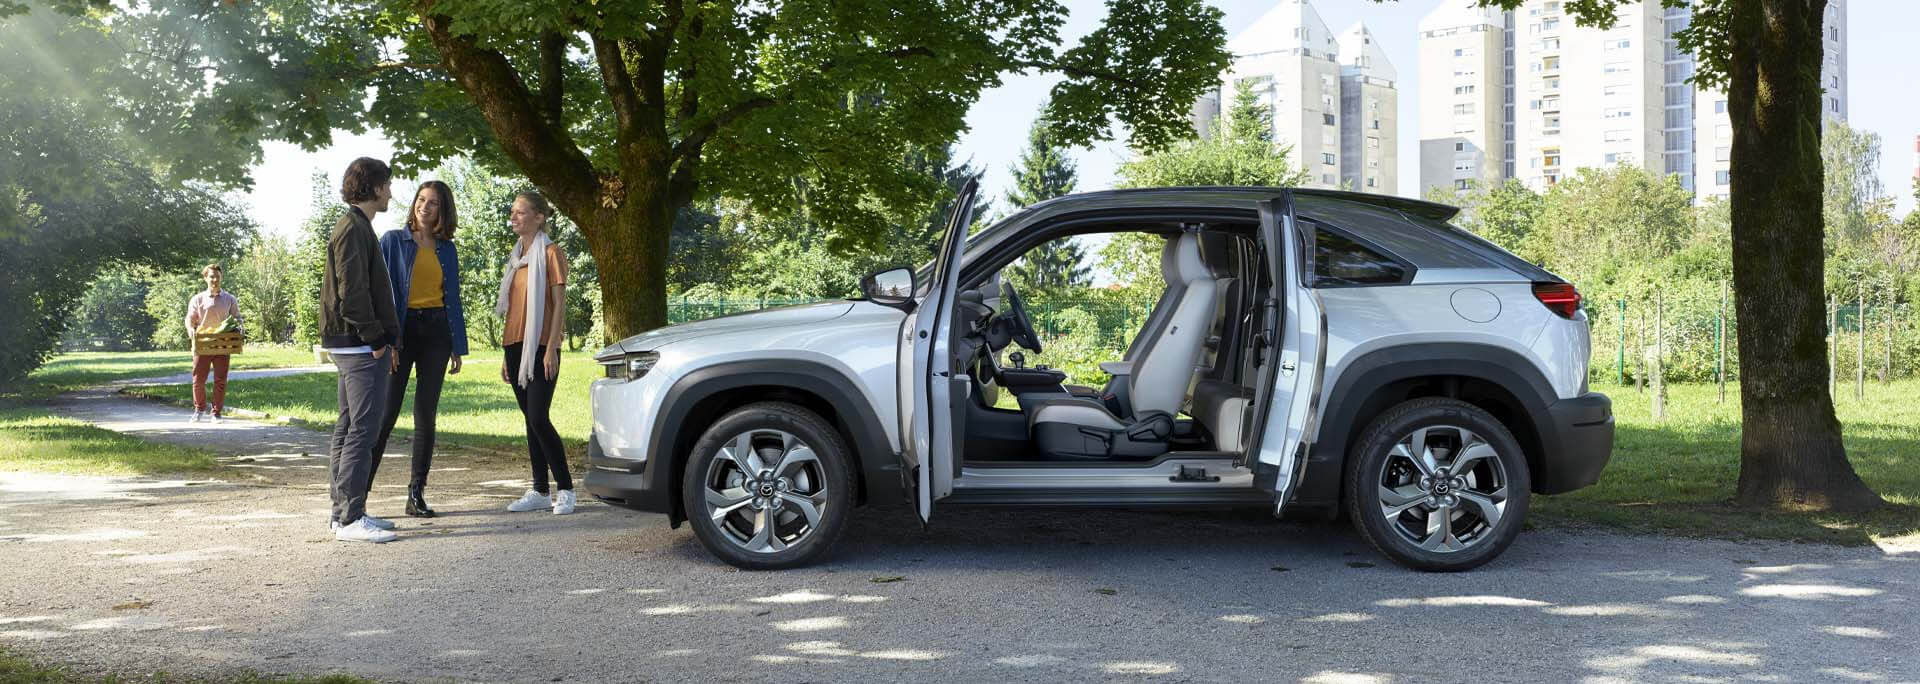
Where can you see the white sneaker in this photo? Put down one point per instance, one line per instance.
(530, 501)
(563, 502)
(363, 531)
(381, 523)
(216, 419)
(197, 417)
(333, 524)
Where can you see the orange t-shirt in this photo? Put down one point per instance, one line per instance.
(517, 296)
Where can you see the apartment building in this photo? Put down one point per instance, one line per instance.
(1369, 106)
(1463, 123)
(1295, 65)
(1569, 97)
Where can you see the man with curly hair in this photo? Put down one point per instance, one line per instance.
(358, 328)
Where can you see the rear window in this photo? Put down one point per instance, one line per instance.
(1483, 248)
(1343, 261)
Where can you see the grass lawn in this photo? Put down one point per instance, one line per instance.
(476, 408)
(68, 372)
(1678, 475)
(31, 439)
(17, 670)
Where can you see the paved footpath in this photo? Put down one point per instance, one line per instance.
(239, 572)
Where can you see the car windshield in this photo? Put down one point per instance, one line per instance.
(977, 243)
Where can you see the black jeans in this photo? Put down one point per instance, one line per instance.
(428, 343)
(536, 403)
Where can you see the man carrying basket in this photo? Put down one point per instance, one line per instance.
(211, 312)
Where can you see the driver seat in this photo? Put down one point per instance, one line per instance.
(1081, 428)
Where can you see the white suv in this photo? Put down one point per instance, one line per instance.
(1315, 351)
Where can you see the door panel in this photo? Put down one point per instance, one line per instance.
(929, 430)
(1287, 389)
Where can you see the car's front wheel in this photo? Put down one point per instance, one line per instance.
(1437, 484)
(768, 486)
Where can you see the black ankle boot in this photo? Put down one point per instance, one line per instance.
(416, 505)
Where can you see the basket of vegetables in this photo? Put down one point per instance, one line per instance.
(225, 338)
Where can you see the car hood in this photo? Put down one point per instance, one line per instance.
(799, 314)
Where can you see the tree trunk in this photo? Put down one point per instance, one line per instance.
(631, 249)
(1791, 454)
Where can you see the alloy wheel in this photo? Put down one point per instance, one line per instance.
(765, 490)
(1443, 488)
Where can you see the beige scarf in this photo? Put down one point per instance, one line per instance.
(535, 259)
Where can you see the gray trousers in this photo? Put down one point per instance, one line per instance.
(362, 393)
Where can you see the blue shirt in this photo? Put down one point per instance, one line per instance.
(398, 247)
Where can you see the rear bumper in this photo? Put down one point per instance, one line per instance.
(624, 482)
(1578, 445)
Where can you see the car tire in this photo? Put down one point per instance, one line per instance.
(826, 481)
(1385, 473)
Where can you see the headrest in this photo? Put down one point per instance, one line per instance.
(1188, 265)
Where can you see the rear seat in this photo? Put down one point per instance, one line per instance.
(1221, 406)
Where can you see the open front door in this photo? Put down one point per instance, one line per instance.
(1288, 352)
(931, 388)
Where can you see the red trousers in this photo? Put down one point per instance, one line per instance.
(218, 364)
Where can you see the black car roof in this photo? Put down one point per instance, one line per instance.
(1204, 193)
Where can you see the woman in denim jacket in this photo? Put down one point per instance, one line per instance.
(426, 293)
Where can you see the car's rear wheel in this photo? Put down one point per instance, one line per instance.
(1437, 484)
(768, 486)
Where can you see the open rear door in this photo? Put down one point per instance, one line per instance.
(1289, 355)
(931, 389)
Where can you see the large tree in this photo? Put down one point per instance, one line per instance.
(626, 111)
(1767, 55)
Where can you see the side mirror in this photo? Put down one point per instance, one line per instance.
(891, 288)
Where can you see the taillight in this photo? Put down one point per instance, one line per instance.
(1560, 298)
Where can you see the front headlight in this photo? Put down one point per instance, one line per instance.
(630, 367)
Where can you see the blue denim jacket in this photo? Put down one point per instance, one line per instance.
(398, 247)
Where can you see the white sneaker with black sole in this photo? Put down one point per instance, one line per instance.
(530, 501)
(563, 502)
(363, 531)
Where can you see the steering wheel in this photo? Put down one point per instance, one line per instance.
(1023, 333)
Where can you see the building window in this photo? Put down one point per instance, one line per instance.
(1719, 106)
(1327, 178)
(1550, 24)
(1723, 177)
(1457, 52)
(1722, 153)
(1613, 157)
(1462, 90)
(1376, 124)
(1617, 113)
(1550, 63)
(1550, 44)
(1370, 182)
(1551, 82)
(1327, 118)
(1463, 165)
(1619, 44)
(1616, 67)
(1463, 184)
(1833, 104)
(1461, 109)
(1327, 157)
(1723, 131)
(1614, 136)
(1459, 146)
(1373, 143)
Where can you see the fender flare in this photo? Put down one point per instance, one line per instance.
(875, 463)
(1353, 392)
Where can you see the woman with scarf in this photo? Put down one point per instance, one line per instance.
(533, 298)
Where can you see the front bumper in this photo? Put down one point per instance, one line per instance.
(1578, 445)
(624, 482)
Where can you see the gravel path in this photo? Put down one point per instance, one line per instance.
(200, 578)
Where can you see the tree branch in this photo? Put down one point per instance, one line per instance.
(553, 55)
(619, 85)
(1083, 72)
(689, 146)
(540, 148)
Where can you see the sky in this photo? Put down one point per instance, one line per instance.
(1881, 99)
